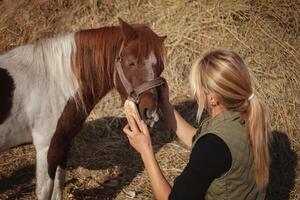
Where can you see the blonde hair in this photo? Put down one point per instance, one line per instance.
(224, 73)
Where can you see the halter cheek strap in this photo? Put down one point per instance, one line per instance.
(123, 78)
(134, 93)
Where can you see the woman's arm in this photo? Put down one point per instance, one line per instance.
(141, 141)
(175, 121)
(160, 186)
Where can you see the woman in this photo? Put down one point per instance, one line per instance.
(230, 156)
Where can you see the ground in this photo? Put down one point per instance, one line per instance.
(102, 164)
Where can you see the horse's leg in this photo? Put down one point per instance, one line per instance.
(59, 181)
(52, 160)
(57, 161)
(44, 185)
(68, 126)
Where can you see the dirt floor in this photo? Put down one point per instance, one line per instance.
(102, 164)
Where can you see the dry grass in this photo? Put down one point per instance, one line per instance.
(102, 165)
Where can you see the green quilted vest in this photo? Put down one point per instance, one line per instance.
(239, 182)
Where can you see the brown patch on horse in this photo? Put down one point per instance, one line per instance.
(7, 87)
(69, 124)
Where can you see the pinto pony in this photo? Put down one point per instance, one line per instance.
(48, 89)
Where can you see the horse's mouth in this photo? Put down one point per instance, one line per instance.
(152, 120)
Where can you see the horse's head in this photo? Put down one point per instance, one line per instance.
(139, 67)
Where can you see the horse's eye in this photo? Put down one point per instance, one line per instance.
(132, 64)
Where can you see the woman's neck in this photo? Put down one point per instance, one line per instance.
(217, 110)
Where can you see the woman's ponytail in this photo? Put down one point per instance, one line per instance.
(259, 134)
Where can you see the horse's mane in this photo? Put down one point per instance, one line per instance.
(96, 51)
(93, 61)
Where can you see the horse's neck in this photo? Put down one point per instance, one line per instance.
(96, 51)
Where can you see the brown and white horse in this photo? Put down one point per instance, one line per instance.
(47, 90)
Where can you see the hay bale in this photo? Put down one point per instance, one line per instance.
(265, 33)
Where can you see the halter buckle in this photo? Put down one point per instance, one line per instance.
(136, 100)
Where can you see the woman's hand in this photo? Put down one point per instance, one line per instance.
(138, 136)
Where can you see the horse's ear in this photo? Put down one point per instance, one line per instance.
(127, 30)
(162, 38)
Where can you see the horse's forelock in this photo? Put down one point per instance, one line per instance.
(149, 42)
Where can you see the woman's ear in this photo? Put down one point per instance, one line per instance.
(212, 99)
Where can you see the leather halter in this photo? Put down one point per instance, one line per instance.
(134, 93)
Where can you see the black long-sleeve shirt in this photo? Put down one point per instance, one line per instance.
(210, 158)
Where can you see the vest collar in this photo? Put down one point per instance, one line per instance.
(211, 123)
(226, 115)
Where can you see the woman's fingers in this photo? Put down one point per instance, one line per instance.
(144, 128)
(133, 125)
(133, 128)
(127, 130)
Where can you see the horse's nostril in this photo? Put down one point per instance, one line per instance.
(147, 113)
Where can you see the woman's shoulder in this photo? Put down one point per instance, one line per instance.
(210, 141)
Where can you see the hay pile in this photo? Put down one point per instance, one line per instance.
(102, 165)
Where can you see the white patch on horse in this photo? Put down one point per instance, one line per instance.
(44, 82)
(45, 183)
(149, 62)
(58, 184)
(149, 75)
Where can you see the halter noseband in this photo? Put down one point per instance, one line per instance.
(134, 93)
